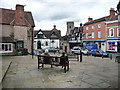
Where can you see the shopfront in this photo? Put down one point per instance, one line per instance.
(113, 46)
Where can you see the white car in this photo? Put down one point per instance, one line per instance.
(76, 50)
(85, 51)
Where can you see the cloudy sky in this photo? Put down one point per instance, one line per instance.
(47, 13)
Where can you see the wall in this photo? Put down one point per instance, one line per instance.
(20, 33)
(95, 30)
(7, 30)
(43, 41)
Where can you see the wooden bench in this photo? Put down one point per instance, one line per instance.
(53, 60)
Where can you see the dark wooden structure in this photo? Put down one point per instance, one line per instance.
(53, 60)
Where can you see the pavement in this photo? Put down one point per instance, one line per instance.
(92, 72)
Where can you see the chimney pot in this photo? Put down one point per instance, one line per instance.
(90, 19)
(112, 12)
(54, 26)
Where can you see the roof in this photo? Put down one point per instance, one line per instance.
(48, 33)
(106, 18)
(95, 21)
(8, 17)
(6, 39)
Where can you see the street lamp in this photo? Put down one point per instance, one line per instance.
(81, 32)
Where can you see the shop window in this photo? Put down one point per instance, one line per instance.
(111, 45)
(6, 47)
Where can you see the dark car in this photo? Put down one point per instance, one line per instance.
(98, 53)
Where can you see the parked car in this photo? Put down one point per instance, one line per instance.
(99, 53)
(76, 50)
(51, 49)
(85, 51)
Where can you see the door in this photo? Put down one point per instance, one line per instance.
(118, 46)
(38, 45)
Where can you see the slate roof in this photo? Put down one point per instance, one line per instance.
(8, 17)
(48, 33)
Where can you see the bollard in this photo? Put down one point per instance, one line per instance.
(111, 56)
(102, 56)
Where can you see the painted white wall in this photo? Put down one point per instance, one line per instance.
(50, 44)
(103, 46)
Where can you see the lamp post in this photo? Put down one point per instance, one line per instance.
(81, 31)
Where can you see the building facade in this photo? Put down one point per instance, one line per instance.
(113, 35)
(47, 38)
(103, 32)
(17, 27)
(72, 37)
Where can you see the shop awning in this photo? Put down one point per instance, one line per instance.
(111, 42)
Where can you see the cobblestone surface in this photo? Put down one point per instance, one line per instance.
(93, 72)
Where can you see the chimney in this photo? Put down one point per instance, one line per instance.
(90, 19)
(19, 15)
(112, 12)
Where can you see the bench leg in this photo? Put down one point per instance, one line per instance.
(42, 65)
(64, 69)
(68, 68)
(51, 66)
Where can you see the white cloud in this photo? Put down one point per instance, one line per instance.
(46, 13)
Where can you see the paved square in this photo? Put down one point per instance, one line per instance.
(93, 72)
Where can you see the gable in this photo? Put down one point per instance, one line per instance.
(53, 34)
(40, 34)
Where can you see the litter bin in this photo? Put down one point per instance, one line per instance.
(117, 59)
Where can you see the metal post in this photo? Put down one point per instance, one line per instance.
(81, 30)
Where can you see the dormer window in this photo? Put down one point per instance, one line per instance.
(53, 34)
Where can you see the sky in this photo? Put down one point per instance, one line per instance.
(47, 13)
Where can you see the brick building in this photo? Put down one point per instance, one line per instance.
(17, 26)
(98, 31)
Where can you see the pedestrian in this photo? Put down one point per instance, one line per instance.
(67, 61)
(46, 53)
(47, 58)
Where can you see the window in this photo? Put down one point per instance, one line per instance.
(86, 28)
(53, 34)
(99, 34)
(111, 32)
(86, 35)
(118, 33)
(111, 45)
(93, 27)
(6, 47)
(99, 25)
(92, 34)
(40, 35)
